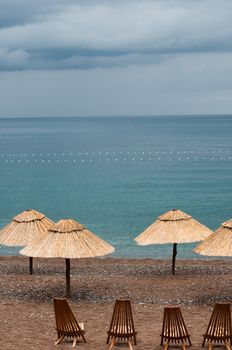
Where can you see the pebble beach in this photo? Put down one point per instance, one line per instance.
(27, 316)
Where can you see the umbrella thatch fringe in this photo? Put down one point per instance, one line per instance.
(174, 226)
(219, 243)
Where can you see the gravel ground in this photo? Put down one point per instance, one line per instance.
(27, 317)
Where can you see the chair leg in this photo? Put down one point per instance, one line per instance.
(112, 344)
(189, 341)
(74, 342)
(108, 339)
(130, 345)
(59, 340)
(183, 345)
(210, 346)
(166, 345)
(203, 343)
(135, 340)
(227, 344)
(83, 337)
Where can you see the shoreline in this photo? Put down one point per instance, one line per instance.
(201, 258)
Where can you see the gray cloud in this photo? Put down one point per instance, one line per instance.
(107, 57)
(79, 34)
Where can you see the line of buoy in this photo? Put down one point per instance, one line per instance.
(26, 161)
(107, 153)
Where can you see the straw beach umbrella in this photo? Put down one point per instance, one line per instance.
(23, 228)
(70, 240)
(219, 243)
(175, 226)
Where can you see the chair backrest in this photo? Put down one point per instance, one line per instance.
(174, 328)
(65, 320)
(122, 324)
(219, 327)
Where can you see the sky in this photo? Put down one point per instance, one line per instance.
(115, 57)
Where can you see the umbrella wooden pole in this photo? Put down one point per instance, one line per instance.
(31, 265)
(174, 257)
(67, 263)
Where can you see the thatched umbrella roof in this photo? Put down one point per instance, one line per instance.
(219, 243)
(23, 228)
(70, 240)
(175, 226)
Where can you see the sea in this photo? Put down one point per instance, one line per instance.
(116, 175)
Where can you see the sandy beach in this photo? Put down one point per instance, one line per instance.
(27, 316)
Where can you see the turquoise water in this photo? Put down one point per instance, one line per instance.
(116, 175)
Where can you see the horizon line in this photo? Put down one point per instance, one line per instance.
(120, 116)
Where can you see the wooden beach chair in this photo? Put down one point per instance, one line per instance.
(122, 324)
(219, 327)
(174, 330)
(66, 323)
